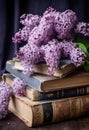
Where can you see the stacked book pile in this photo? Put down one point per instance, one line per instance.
(49, 99)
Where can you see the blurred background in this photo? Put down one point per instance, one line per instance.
(11, 10)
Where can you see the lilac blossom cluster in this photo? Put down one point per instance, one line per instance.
(5, 93)
(43, 32)
(82, 28)
(65, 24)
(67, 47)
(18, 86)
(77, 57)
(49, 38)
(52, 55)
(29, 21)
(29, 55)
(21, 35)
(70, 50)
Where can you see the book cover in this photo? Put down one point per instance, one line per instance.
(46, 112)
(65, 68)
(35, 95)
(48, 83)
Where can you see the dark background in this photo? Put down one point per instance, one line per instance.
(11, 10)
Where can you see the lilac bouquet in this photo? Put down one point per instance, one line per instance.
(49, 38)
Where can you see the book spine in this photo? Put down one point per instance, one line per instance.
(65, 93)
(49, 112)
(50, 95)
(57, 111)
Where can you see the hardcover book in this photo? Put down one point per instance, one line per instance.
(35, 95)
(65, 68)
(49, 83)
(45, 112)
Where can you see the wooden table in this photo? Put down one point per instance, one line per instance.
(11, 122)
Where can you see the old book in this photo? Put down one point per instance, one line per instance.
(35, 95)
(48, 83)
(65, 68)
(45, 112)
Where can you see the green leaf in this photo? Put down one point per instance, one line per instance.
(86, 66)
(82, 40)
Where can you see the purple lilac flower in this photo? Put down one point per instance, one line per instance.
(77, 56)
(28, 69)
(25, 32)
(52, 55)
(43, 32)
(65, 23)
(35, 37)
(70, 50)
(5, 93)
(39, 32)
(18, 86)
(48, 11)
(51, 13)
(67, 47)
(17, 37)
(82, 28)
(30, 20)
(29, 55)
(21, 35)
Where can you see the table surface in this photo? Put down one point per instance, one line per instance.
(11, 122)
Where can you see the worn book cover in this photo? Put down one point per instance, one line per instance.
(65, 68)
(36, 95)
(48, 83)
(46, 112)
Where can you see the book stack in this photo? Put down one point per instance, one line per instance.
(49, 99)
